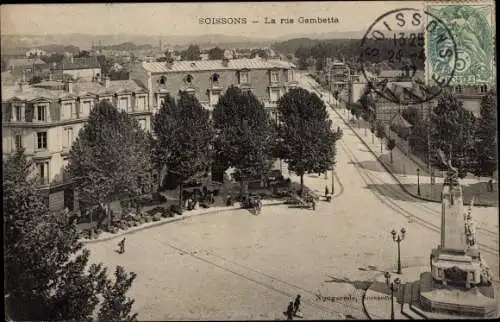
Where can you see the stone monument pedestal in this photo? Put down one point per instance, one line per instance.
(459, 281)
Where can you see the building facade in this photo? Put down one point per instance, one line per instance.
(45, 119)
(268, 79)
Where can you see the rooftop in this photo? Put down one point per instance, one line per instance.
(54, 90)
(215, 65)
(25, 62)
(79, 63)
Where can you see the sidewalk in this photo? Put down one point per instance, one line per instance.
(186, 214)
(404, 170)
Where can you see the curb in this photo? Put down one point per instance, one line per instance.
(401, 185)
(160, 223)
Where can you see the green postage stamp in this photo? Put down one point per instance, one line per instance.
(472, 59)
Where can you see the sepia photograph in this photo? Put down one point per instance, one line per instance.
(314, 160)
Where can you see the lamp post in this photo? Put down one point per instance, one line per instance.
(398, 238)
(418, 181)
(393, 286)
(333, 181)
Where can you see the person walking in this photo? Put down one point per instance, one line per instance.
(289, 311)
(327, 192)
(121, 244)
(296, 305)
(313, 204)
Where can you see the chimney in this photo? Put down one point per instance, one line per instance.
(225, 62)
(106, 81)
(69, 86)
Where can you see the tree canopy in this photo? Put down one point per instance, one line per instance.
(307, 140)
(183, 136)
(452, 131)
(191, 53)
(486, 136)
(244, 134)
(46, 273)
(216, 53)
(110, 158)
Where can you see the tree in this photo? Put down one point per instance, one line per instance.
(486, 136)
(46, 271)
(244, 138)
(216, 53)
(191, 53)
(110, 159)
(183, 137)
(380, 132)
(116, 306)
(259, 52)
(83, 53)
(308, 142)
(391, 144)
(452, 131)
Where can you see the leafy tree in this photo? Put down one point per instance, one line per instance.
(452, 131)
(116, 305)
(54, 58)
(83, 53)
(380, 133)
(191, 53)
(243, 135)
(46, 271)
(391, 144)
(259, 52)
(216, 53)
(106, 64)
(308, 142)
(486, 136)
(183, 137)
(110, 159)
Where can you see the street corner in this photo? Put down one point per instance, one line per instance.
(386, 293)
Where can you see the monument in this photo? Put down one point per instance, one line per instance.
(459, 282)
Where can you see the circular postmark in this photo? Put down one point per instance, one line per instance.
(394, 54)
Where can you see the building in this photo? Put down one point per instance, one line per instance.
(268, 79)
(26, 67)
(45, 118)
(83, 68)
(37, 52)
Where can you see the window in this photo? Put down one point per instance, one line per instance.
(274, 95)
(161, 100)
(163, 79)
(84, 108)
(459, 89)
(215, 77)
(43, 172)
(142, 124)
(189, 79)
(123, 103)
(484, 88)
(141, 103)
(67, 111)
(18, 142)
(41, 140)
(18, 113)
(275, 76)
(41, 113)
(243, 77)
(290, 75)
(68, 138)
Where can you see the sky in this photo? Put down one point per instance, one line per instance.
(183, 18)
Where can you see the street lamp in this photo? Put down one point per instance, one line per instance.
(393, 286)
(398, 238)
(333, 181)
(418, 181)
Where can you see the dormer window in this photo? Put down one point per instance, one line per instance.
(275, 76)
(41, 113)
(243, 77)
(163, 79)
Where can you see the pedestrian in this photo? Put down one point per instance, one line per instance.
(296, 305)
(289, 311)
(490, 185)
(313, 204)
(327, 192)
(121, 244)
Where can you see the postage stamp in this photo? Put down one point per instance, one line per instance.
(472, 27)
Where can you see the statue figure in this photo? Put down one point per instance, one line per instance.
(451, 172)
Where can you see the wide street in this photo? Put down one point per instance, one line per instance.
(239, 266)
